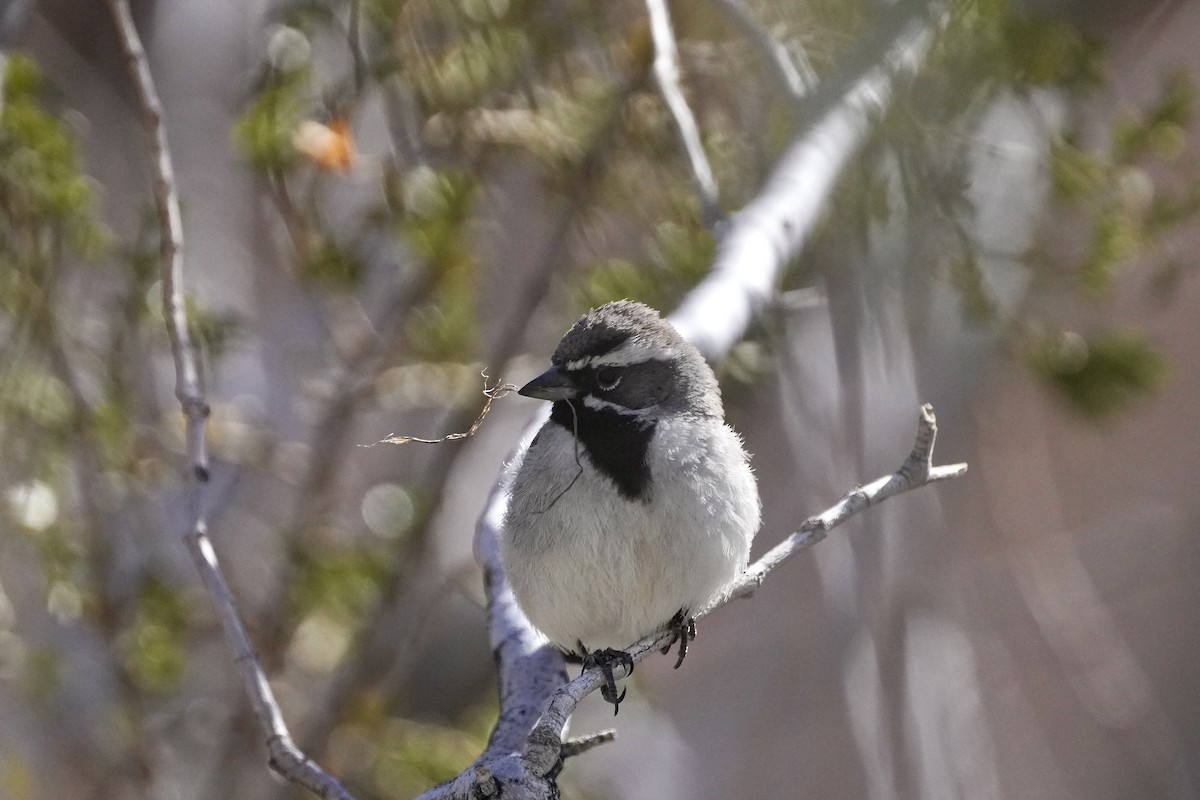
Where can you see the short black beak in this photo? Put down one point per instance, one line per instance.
(553, 384)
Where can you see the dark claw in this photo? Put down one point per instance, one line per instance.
(683, 630)
(607, 692)
(606, 660)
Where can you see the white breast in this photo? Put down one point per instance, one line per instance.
(587, 564)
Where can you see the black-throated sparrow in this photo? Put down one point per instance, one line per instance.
(634, 505)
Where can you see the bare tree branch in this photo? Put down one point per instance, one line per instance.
(188, 388)
(666, 73)
(763, 236)
(581, 744)
(759, 242)
(791, 71)
(284, 757)
(917, 470)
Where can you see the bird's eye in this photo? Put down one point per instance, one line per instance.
(607, 378)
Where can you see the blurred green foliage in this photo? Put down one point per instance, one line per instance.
(437, 207)
(265, 131)
(43, 674)
(1133, 195)
(1160, 131)
(1129, 210)
(330, 263)
(153, 644)
(16, 778)
(341, 584)
(1128, 196)
(680, 255)
(41, 187)
(1043, 50)
(481, 57)
(1101, 374)
(400, 758)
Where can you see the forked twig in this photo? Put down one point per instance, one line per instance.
(490, 392)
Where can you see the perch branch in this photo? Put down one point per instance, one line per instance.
(666, 73)
(283, 755)
(916, 471)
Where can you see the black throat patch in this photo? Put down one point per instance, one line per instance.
(615, 443)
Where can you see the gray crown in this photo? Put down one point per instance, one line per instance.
(672, 375)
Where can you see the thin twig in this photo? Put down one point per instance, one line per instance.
(491, 393)
(283, 755)
(793, 72)
(666, 73)
(581, 744)
(188, 388)
(354, 44)
(916, 471)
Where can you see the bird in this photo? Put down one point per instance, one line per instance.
(634, 505)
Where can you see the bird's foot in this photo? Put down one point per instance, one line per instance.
(606, 660)
(683, 630)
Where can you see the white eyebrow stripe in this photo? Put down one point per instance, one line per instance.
(579, 363)
(596, 404)
(633, 351)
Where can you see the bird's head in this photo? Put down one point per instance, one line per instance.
(625, 357)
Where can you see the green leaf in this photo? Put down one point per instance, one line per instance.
(43, 194)
(152, 646)
(43, 674)
(342, 585)
(328, 262)
(265, 131)
(1116, 238)
(1076, 174)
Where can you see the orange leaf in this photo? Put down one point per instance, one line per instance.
(328, 146)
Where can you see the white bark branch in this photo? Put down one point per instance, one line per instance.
(759, 242)
(765, 235)
(284, 757)
(793, 73)
(666, 73)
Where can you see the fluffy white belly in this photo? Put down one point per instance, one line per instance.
(587, 564)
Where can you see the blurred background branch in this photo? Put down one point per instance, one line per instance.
(666, 74)
(283, 756)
